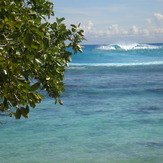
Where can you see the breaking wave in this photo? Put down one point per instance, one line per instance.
(126, 47)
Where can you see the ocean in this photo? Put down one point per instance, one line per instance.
(112, 112)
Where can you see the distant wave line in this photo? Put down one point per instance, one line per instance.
(117, 64)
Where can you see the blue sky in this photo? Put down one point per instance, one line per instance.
(110, 21)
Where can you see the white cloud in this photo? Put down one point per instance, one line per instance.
(134, 30)
(149, 21)
(146, 32)
(158, 30)
(151, 32)
(159, 19)
(90, 25)
(158, 16)
(88, 28)
(114, 29)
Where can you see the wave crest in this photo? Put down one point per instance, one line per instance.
(126, 47)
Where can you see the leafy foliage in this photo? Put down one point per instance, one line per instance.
(33, 54)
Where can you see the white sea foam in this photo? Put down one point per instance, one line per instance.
(117, 64)
(126, 47)
(107, 47)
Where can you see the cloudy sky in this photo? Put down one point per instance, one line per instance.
(110, 21)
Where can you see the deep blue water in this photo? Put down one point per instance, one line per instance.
(112, 112)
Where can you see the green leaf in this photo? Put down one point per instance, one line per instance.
(40, 96)
(60, 102)
(73, 29)
(18, 114)
(69, 58)
(22, 81)
(28, 38)
(60, 20)
(5, 102)
(80, 48)
(32, 103)
(46, 42)
(35, 86)
(72, 25)
(25, 111)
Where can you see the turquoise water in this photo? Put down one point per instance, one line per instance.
(112, 112)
